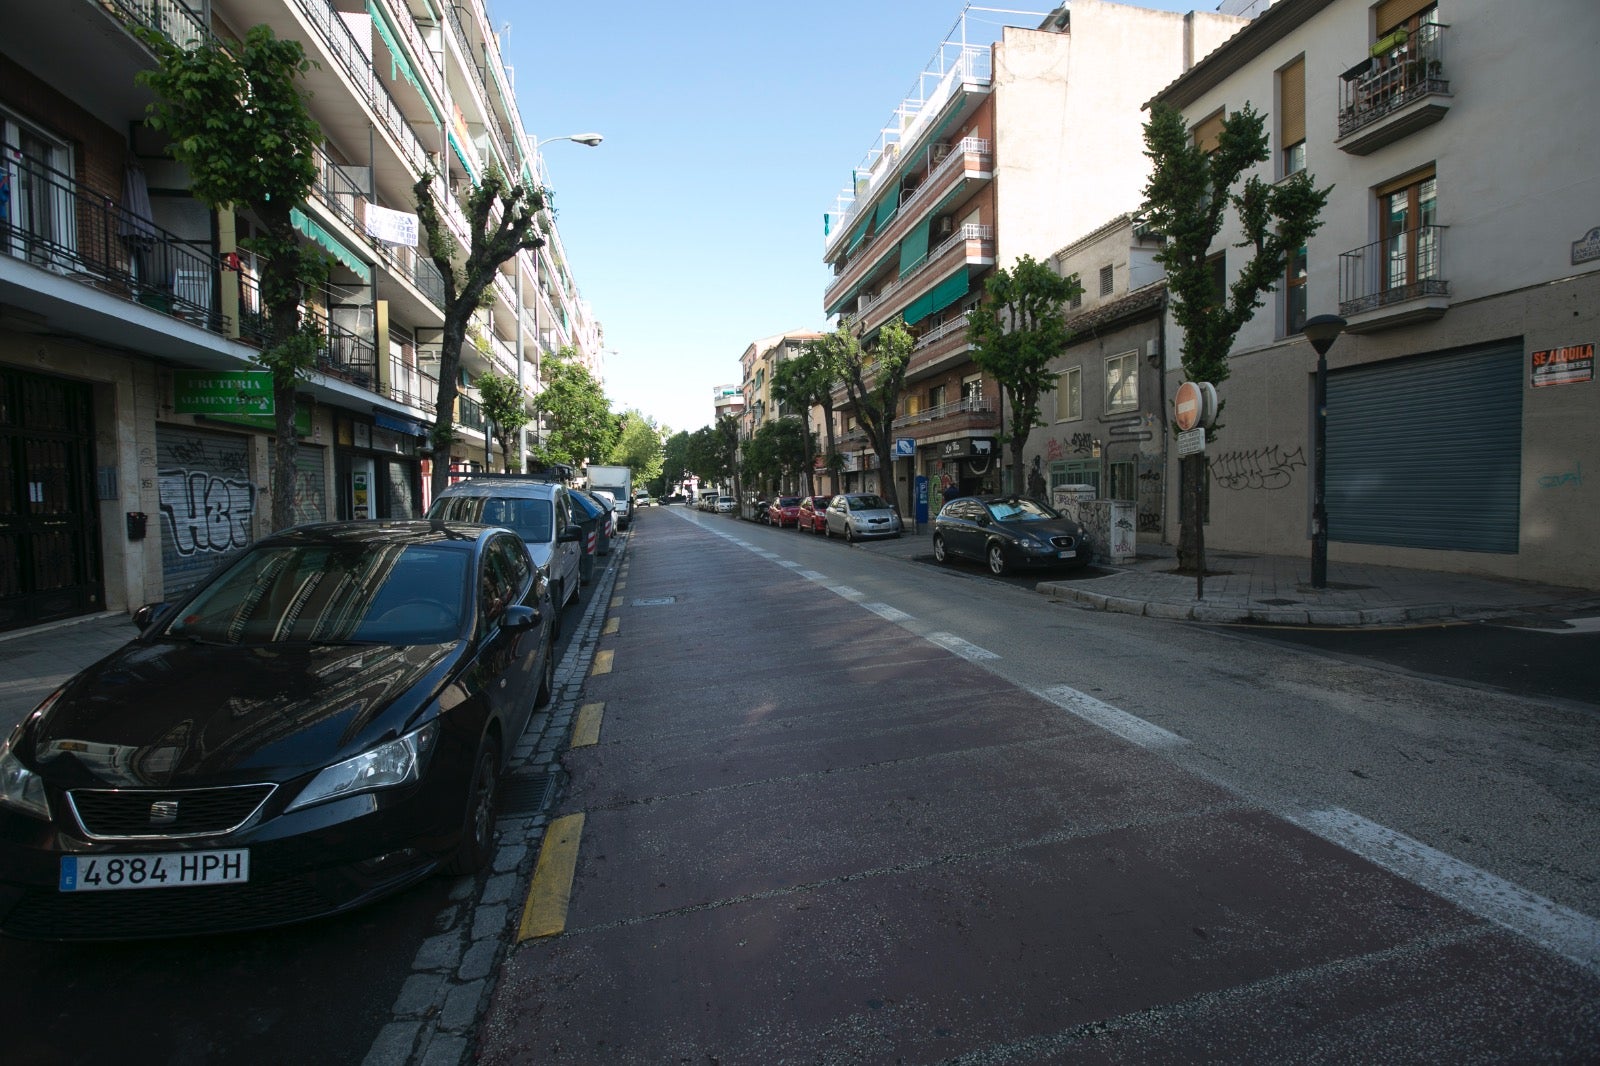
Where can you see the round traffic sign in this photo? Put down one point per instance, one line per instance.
(1188, 407)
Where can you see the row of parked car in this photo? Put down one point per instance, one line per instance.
(851, 515)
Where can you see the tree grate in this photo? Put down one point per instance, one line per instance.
(525, 793)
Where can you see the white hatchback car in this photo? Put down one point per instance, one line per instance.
(853, 515)
(727, 505)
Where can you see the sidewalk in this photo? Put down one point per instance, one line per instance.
(1276, 590)
(34, 661)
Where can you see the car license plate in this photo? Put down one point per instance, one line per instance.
(172, 869)
(1069, 554)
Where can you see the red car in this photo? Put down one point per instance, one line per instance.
(784, 511)
(812, 516)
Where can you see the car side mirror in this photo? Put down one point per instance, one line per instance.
(520, 617)
(144, 616)
(570, 533)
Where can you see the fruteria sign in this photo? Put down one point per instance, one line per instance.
(222, 392)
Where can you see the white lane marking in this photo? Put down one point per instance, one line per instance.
(1547, 923)
(765, 554)
(790, 563)
(1123, 724)
(812, 575)
(1570, 626)
(847, 592)
(968, 651)
(887, 613)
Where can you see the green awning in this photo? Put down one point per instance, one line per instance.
(918, 309)
(886, 209)
(399, 64)
(461, 154)
(859, 235)
(914, 249)
(948, 291)
(335, 247)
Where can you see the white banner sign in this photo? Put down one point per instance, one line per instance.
(395, 227)
(1192, 440)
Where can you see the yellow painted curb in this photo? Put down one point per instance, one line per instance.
(619, 586)
(545, 912)
(587, 731)
(602, 662)
(612, 625)
(616, 601)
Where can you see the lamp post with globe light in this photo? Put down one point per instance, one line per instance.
(1321, 331)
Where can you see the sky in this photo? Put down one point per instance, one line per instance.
(730, 127)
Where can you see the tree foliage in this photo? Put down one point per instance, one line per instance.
(674, 463)
(236, 119)
(1017, 330)
(1188, 200)
(500, 223)
(506, 407)
(777, 452)
(582, 426)
(873, 379)
(712, 449)
(805, 381)
(638, 447)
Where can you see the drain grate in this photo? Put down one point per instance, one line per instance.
(526, 793)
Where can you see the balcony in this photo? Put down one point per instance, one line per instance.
(971, 244)
(943, 346)
(1395, 281)
(1396, 91)
(974, 412)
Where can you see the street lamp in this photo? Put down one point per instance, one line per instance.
(590, 139)
(1321, 331)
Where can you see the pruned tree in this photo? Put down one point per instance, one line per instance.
(505, 406)
(873, 379)
(1189, 198)
(582, 426)
(236, 119)
(805, 381)
(1016, 331)
(500, 223)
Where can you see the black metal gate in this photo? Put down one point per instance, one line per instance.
(49, 536)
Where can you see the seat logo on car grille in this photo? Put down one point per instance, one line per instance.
(164, 812)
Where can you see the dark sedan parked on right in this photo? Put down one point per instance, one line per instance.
(1009, 532)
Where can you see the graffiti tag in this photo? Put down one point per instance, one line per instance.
(1267, 468)
(1571, 477)
(206, 513)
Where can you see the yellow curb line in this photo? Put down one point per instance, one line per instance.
(545, 912)
(602, 662)
(616, 601)
(587, 731)
(612, 625)
(619, 586)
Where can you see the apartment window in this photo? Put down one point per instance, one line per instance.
(1206, 131)
(1069, 395)
(1292, 118)
(1408, 216)
(1076, 301)
(1107, 280)
(936, 396)
(1294, 293)
(35, 170)
(1409, 15)
(1122, 382)
(972, 389)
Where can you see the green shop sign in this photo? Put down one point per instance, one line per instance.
(222, 392)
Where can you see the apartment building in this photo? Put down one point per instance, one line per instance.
(119, 485)
(1008, 146)
(1461, 245)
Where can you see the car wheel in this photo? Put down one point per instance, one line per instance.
(827, 531)
(477, 831)
(997, 559)
(547, 676)
(939, 554)
(557, 602)
(850, 533)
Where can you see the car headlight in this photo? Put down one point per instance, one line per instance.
(398, 762)
(20, 788)
(1040, 546)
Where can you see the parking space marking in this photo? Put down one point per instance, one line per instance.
(967, 650)
(602, 662)
(545, 911)
(887, 613)
(613, 626)
(1566, 932)
(586, 732)
(1123, 724)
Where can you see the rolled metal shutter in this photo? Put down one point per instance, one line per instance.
(1426, 452)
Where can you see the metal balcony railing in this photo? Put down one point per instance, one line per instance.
(1406, 266)
(181, 24)
(957, 324)
(970, 405)
(1405, 67)
(411, 385)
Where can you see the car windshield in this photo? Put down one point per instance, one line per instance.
(867, 502)
(376, 591)
(1020, 510)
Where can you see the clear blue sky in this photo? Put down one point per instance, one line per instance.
(730, 127)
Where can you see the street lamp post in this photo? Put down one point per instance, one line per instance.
(1321, 331)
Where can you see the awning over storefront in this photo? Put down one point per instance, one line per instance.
(334, 246)
(398, 425)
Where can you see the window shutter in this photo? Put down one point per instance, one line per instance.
(1392, 13)
(1292, 104)
(1206, 132)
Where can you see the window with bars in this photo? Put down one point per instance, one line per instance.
(1408, 217)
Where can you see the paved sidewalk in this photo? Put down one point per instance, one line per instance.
(1276, 590)
(34, 661)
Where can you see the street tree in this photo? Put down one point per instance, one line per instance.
(711, 451)
(776, 453)
(805, 381)
(236, 119)
(873, 378)
(1016, 331)
(638, 446)
(575, 408)
(505, 407)
(500, 223)
(1187, 201)
(674, 462)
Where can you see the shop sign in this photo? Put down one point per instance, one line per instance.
(1563, 366)
(269, 423)
(967, 448)
(222, 392)
(1587, 248)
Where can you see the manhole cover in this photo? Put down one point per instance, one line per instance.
(525, 793)
(655, 601)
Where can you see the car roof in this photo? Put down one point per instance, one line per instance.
(415, 531)
(510, 487)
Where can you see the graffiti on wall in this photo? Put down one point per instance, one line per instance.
(205, 513)
(1568, 477)
(1268, 468)
(1151, 484)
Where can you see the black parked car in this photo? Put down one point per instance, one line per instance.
(1009, 532)
(321, 722)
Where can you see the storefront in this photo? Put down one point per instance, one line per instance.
(968, 465)
(378, 470)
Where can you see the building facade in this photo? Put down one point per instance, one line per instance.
(1461, 245)
(1011, 146)
(123, 478)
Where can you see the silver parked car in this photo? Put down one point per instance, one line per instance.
(853, 515)
(726, 505)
